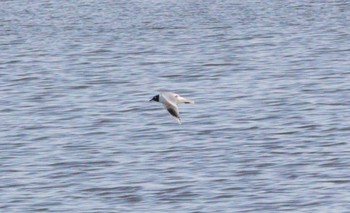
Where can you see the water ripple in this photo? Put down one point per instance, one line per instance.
(268, 133)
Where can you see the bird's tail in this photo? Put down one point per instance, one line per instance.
(185, 100)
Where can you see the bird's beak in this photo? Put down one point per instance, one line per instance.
(151, 100)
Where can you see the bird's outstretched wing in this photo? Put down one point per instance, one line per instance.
(175, 98)
(184, 100)
(174, 112)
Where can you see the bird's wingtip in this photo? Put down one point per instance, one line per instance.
(189, 102)
(177, 120)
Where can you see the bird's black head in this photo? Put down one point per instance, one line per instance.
(155, 98)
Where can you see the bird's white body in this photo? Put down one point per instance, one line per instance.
(170, 102)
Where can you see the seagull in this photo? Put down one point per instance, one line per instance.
(170, 101)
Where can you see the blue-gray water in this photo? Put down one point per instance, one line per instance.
(269, 132)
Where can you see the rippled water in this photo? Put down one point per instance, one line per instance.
(269, 131)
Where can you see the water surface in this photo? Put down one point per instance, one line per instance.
(269, 131)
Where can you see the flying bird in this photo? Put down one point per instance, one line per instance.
(170, 102)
